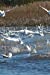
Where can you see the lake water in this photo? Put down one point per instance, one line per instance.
(22, 65)
(25, 67)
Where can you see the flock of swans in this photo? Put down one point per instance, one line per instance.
(13, 36)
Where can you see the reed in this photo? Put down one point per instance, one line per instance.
(30, 14)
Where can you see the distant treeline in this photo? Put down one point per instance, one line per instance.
(19, 2)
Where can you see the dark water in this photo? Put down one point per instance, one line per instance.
(19, 65)
(25, 67)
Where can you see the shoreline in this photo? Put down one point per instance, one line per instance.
(26, 15)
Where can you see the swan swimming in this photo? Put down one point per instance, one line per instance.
(31, 50)
(48, 42)
(3, 13)
(25, 31)
(34, 50)
(7, 56)
(13, 39)
(41, 33)
(48, 11)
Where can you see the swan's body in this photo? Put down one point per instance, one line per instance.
(21, 42)
(2, 39)
(13, 39)
(31, 50)
(41, 33)
(48, 42)
(28, 31)
(28, 48)
(40, 28)
(34, 51)
(7, 56)
(25, 31)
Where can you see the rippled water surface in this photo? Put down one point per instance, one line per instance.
(19, 65)
(25, 67)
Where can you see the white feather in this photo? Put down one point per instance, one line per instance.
(44, 9)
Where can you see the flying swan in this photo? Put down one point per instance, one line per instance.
(3, 13)
(48, 11)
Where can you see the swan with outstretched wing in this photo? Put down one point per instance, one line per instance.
(48, 11)
(3, 13)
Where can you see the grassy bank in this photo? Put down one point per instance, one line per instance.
(30, 14)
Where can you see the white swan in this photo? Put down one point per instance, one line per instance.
(34, 50)
(31, 50)
(39, 27)
(11, 38)
(3, 13)
(41, 30)
(2, 39)
(26, 31)
(41, 33)
(21, 42)
(28, 48)
(7, 56)
(48, 11)
(48, 42)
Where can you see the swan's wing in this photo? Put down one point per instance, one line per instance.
(44, 8)
(10, 9)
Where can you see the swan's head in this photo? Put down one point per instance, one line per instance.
(10, 55)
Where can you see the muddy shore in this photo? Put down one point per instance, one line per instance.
(25, 15)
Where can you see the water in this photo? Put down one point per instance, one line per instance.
(25, 67)
(21, 64)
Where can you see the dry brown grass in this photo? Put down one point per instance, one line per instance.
(30, 14)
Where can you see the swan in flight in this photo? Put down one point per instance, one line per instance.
(3, 13)
(48, 11)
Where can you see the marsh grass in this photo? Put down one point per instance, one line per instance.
(30, 14)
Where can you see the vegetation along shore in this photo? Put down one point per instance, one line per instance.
(27, 14)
